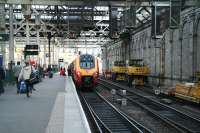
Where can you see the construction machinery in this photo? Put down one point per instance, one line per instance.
(188, 91)
(136, 72)
(119, 71)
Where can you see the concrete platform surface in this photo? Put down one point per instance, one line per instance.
(67, 115)
(19, 114)
(74, 120)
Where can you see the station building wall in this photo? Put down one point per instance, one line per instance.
(176, 55)
(181, 50)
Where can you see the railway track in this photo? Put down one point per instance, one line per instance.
(175, 118)
(108, 118)
(191, 109)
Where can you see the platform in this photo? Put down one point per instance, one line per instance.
(53, 108)
(68, 115)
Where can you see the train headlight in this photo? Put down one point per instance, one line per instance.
(78, 74)
(96, 74)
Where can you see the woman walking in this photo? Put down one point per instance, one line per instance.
(25, 75)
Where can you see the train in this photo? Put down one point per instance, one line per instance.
(84, 71)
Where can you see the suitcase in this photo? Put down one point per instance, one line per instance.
(22, 88)
(50, 75)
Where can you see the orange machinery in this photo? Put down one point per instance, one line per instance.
(137, 72)
(188, 91)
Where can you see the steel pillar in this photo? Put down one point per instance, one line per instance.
(27, 34)
(133, 15)
(11, 35)
(38, 40)
(172, 54)
(44, 63)
(27, 16)
(2, 31)
(49, 45)
(53, 55)
(106, 58)
(37, 22)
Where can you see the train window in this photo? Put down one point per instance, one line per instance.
(87, 61)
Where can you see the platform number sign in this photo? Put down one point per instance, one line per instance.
(31, 50)
(60, 60)
(4, 37)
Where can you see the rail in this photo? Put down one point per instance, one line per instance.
(107, 116)
(179, 120)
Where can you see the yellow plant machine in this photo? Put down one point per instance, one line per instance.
(119, 70)
(188, 91)
(137, 72)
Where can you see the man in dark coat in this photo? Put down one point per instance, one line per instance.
(2, 77)
(17, 70)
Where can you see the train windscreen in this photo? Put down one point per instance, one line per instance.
(87, 61)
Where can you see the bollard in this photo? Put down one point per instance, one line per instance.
(124, 101)
(113, 92)
(157, 92)
(124, 92)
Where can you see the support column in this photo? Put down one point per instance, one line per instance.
(181, 54)
(132, 24)
(38, 41)
(172, 55)
(194, 49)
(162, 62)
(131, 13)
(27, 35)
(44, 63)
(49, 43)
(27, 15)
(53, 55)
(2, 32)
(11, 37)
(110, 21)
(37, 22)
(106, 58)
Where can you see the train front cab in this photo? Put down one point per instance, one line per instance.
(86, 71)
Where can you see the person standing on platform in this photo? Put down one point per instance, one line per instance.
(17, 70)
(25, 75)
(2, 77)
(64, 72)
(41, 71)
(33, 72)
(61, 71)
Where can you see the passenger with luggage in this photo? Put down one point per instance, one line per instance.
(17, 70)
(25, 75)
(2, 77)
